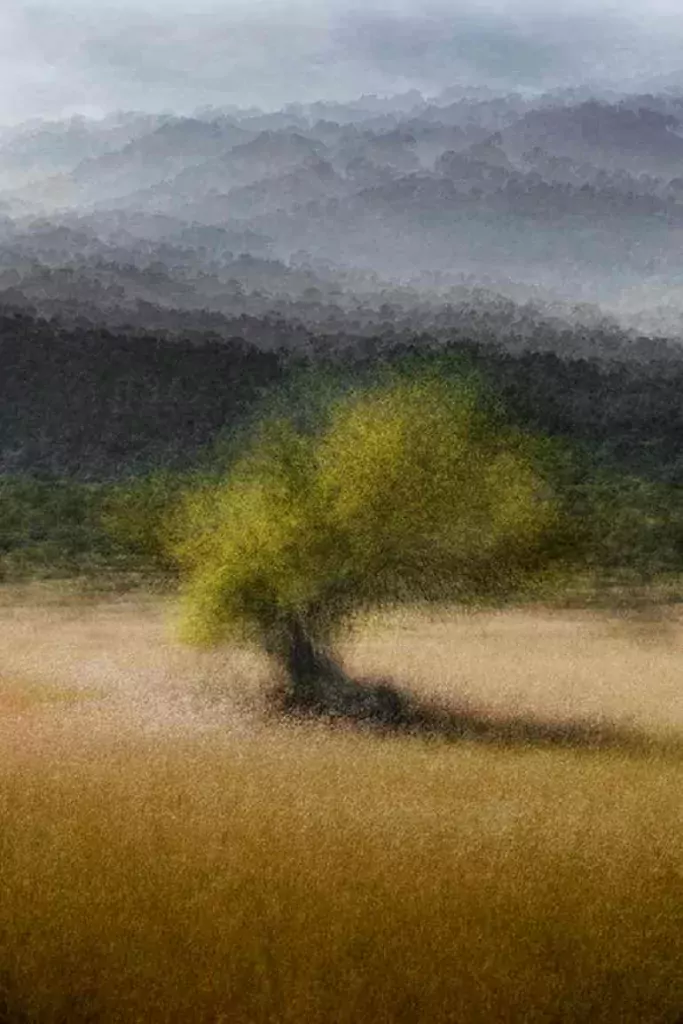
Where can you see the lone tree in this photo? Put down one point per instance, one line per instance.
(411, 492)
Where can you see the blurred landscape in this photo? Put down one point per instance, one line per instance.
(168, 281)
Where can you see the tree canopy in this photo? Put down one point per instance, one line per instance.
(410, 493)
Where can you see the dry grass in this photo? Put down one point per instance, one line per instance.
(165, 858)
(624, 666)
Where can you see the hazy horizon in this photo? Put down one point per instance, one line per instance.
(64, 58)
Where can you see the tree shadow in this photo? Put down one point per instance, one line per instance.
(384, 709)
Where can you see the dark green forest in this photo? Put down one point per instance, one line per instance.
(100, 431)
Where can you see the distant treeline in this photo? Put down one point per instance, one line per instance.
(100, 431)
(93, 404)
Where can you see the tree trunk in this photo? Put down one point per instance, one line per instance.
(315, 680)
(317, 684)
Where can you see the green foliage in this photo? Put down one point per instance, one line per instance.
(50, 528)
(62, 528)
(410, 492)
(135, 513)
(631, 527)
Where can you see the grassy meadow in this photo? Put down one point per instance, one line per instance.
(169, 855)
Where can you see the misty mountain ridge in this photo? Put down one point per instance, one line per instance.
(581, 197)
(543, 229)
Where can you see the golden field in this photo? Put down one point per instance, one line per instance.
(166, 854)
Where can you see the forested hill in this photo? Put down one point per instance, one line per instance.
(162, 275)
(94, 403)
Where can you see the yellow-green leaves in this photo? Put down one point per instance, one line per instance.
(409, 492)
(423, 486)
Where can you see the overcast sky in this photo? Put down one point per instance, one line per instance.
(63, 56)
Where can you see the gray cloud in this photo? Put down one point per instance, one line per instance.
(63, 55)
